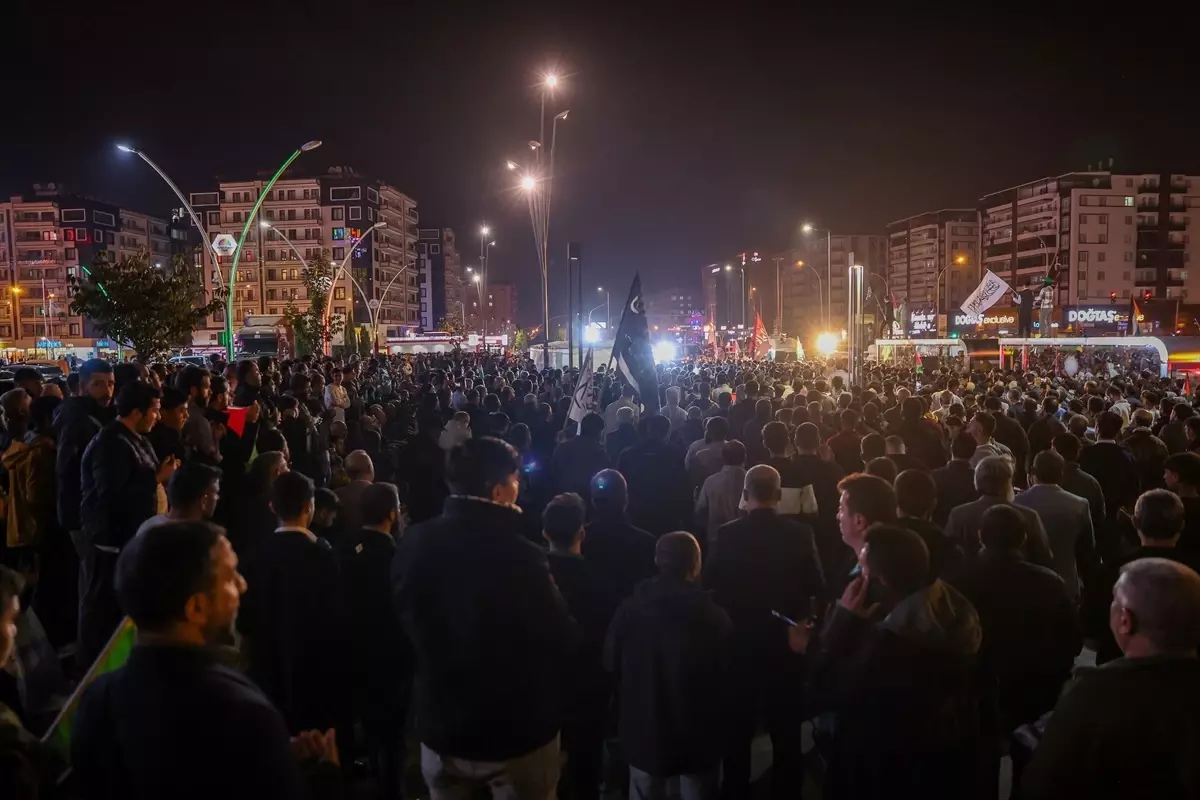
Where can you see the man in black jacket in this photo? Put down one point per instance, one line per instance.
(490, 633)
(669, 646)
(760, 564)
(1031, 632)
(1128, 728)
(956, 481)
(621, 554)
(381, 666)
(659, 499)
(120, 476)
(181, 586)
(1114, 469)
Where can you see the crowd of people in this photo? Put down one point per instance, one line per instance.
(345, 574)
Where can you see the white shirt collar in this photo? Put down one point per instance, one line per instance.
(296, 529)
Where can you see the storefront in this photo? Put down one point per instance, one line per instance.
(995, 322)
(922, 323)
(1100, 320)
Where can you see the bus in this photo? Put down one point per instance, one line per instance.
(263, 335)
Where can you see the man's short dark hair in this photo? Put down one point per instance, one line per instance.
(882, 467)
(172, 398)
(189, 483)
(986, 421)
(325, 499)
(963, 446)
(1185, 465)
(477, 466)
(161, 568)
(808, 436)
(290, 493)
(1048, 467)
(775, 437)
(191, 378)
(378, 502)
(270, 439)
(1002, 528)
(992, 403)
(1158, 515)
(716, 428)
(1108, 425)
(658, 427)
(136, 396)
(872, 497)
(873, 446)
(26, 374)
(1068, 446)
(849, 419)
(91, 367)
(591, 425)
(916, 493)
(898, 557)
(733, 453)
(563, 518)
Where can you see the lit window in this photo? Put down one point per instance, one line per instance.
(1128, 199)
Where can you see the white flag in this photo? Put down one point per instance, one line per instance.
(581, 400)
(989, 290)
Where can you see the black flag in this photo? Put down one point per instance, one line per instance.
(632, 351)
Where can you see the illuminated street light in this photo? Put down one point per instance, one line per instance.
(728, 267)
(551, 80)
(313, 145)
(485, 230)
(528, 183)
(827, 343)
(475, 277)
(124, 148)
(806, 228)
(511, 165)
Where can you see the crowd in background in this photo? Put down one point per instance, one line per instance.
(344, 573)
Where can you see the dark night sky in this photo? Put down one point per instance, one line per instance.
(691, 137)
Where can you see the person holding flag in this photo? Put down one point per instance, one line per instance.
(632, 351)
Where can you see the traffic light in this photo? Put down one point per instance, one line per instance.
(1112, 297)
(1146, 295)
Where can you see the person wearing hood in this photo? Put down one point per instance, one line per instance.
(899, 676)
(669, 648)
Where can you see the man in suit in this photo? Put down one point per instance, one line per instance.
(994, 480)
(1078, 482)
(956, 481)
(1065, 517)
(763, 563)
(361, 471)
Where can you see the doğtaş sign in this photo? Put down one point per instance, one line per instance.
(1100, 316)
(1003, 318)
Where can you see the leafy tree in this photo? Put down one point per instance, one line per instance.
(560, 333)
(142, 306)
(365, 345)
(521, 340)
(309, 326)
(450, 325)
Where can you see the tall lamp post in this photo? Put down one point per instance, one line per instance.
(959, 260)
(484, 251)
(820, 291)
(337, 276)
(808, 228)
(608, 312)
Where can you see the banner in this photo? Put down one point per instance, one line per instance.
(760, 343)
(632, 351)
(986, 294)
(581, 399)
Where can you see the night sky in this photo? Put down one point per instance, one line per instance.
(691, 136)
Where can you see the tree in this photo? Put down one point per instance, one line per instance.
(521, 340)
(364, 341)
(144, 307)
(450, 325)
(309, 326)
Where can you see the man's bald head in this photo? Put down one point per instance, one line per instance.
(609, 490)
(678, 556)
(1156, 608)
(359, 466)
(762, 486)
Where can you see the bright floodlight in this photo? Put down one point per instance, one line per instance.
(664, 351)
(264, 224)
(475, 277)
(562, 115)
(313, 145)
(728, 267)
(591, 334)
(827, 343)
(552, 80)
(528, 183)
(510, 164)
(807, 228)
(124, 148)
(599, 288)
(485, 230)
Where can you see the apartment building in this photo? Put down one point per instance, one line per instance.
(439, 280)
(923, 247)
(501, 308)
(814, 282)
(46, 237)
(300, 217)
(673, 308)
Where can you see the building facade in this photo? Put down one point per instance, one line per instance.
(49, 236)
(676, 308)
(299, 218)
(439, 280)
(501, 308)
(921, 248)
(814, 283)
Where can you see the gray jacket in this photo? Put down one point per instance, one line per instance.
(1067, 521)
(963, 527)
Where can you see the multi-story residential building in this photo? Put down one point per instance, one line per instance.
(921, 248)
(46, 237)
(814, 282)
(674, 308)
(301, 217)
(439, 270)
(502, 307)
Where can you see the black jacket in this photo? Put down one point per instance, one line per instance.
(1128, 729)
(175, 723)
(616, 442)
(490, 632)
(76, 423)
(944, 554)
(119, 483)
(294, 616)
(621, 554)
(669, 647)
(955, 484)
(1010, 434)
(380, 658)
(1031, 631)
(1114, 469)
(659, 496)
(423, 472)
(576, 461)
(922, 441)
(762, 563)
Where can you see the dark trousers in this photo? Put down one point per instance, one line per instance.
(99, 612)
(385, 749)
(56, 598)
(583, 742)
(775, 702)
(1025, 324)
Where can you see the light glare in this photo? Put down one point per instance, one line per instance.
(827, 343)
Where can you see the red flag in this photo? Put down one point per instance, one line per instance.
(760, 343)
(237, 419)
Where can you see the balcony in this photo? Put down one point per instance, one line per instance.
(27, 219)
(136, 227)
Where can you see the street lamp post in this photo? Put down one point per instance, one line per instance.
(808, 228)
(820, 291)
(484, 246)
(958, 261)
(337, 276)
(608, 313)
